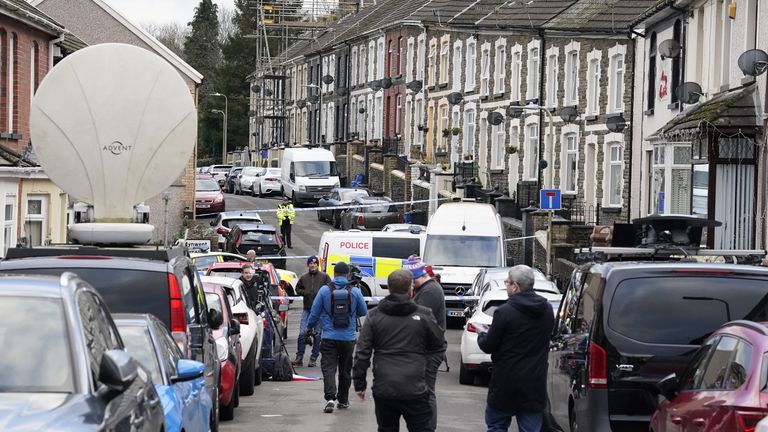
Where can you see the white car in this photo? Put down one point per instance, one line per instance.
(404, 227)
(473, 359)
(762, 426)
(251, 331)
(267, 183)
(230, 219)
(219, 172)
(247, 180)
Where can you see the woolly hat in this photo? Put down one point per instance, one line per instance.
(416, 266)
(313, 259)
(341, 269)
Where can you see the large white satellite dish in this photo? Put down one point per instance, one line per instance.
(113, 125)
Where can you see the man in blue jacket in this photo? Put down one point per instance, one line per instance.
(336, 309)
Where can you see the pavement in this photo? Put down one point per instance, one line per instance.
(297, 406)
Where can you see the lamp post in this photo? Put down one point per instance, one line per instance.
(224, 139)
(319, 110)
(226, 111)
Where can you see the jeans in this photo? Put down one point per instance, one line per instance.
(302, 336)
(416, 412)
(430, 374)
(498, 421)
(337, 354)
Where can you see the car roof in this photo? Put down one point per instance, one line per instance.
(695, 267)
(137, 319)
(255, 227)
(36, 286)
(64, 261)
(238, 265)
(221, 280)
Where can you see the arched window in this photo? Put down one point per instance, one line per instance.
(677, 35)
(651, 96)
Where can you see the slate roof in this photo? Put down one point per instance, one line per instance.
(600, 15)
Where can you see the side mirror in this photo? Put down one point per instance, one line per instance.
(669, 386)
(117, 370)
(215, 319)
(223, 230)
(234, 326)
(188, 370)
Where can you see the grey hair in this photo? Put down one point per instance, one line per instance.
(523, 276)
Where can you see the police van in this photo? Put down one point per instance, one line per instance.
(376, 253)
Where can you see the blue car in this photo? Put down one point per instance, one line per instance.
(180, 383)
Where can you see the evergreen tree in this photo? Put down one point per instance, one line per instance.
(202, 52)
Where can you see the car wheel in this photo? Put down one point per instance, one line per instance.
(466, 376)
(213, 423)
(257, 377)
(253, 191)
(227, 412)
(572, 420)
(261, 193)
(236, 394)
(215, 412)
(247, 378)
(335, 220)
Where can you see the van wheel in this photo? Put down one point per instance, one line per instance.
(293, 200)
(466, 377)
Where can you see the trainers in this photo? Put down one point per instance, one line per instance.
(329, 406)
(342, 405)
(298, 362)
(312, 362)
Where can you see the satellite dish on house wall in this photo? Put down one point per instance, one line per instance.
(495, 118)
(689, 92)
(670, 48)
(753, 62)
(113, 125)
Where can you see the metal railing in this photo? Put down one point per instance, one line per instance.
(576, 210)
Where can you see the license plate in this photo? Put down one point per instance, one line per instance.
(203, 206)
(452, 313)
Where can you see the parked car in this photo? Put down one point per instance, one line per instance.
(723, 388)
(204, 260)
(267, 183)
(219, 173)
(161, 282)
(208, 196)
(251, 331)
(370, 213)
(63, 365)
(337, 198)
(492, 295)
(231, 179)
(623, 326)
(248, 177)
(179, 382)
(232, 218)
(762, 425)
(263, 239)
(229, 349)
(404, 227)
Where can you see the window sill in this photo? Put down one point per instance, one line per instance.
(499, 95)
(484, 98)
(431, 87)
(534, 101)
(442, 85)
(612, 208)
(497, 171)
(591, 117)
(648, 112)
(11, 136)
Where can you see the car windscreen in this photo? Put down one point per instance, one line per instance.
(684, 310)
(490, 307)
(36, 347)
(462, 251)
(346, 196)
(138, 344)
(229, 223)
(251, 171)
(125, 291)
(396, 247)
(206, 185)
(315, 168)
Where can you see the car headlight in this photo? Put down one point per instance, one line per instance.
(222, 348)
(302, 188)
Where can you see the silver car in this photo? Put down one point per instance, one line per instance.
(247, 179)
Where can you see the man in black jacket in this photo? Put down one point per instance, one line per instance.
(518, 342)
(429, 293)
(250, 285)
(308, 286)
(400, 333)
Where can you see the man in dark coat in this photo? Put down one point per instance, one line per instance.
(399, 333)
(518, 342)
(429, 293)
(250, 285)
(308, 286)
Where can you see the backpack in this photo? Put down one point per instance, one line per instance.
(341, 307)
(282, 368)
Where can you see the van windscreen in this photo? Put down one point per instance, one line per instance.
(396, 247)
(462, 251)
(684, 310)
(315, 168)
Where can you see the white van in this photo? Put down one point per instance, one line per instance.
(376, 253)
(306, 174)
(462, 238)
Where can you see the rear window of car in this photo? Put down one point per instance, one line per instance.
(396, 247)
(251, 171)
(374, 208)
(490, 307)
(124, 291)
(684, 310)
(352, 194)
(259, 237)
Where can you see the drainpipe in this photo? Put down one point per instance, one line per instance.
(631, 130)
(542, 80)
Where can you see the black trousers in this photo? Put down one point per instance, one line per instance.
(285, 230)
(336, 354)
(417, 414)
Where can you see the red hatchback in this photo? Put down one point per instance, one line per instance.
(229, 349)
(208, 196)
(724, 386)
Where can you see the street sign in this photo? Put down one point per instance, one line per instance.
(198, 246)
(549, 199)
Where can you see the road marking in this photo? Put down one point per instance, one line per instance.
(271, 415)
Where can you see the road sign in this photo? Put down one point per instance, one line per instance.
(549, 199)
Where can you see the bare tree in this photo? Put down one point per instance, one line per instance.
(170, 34)
(227, 24)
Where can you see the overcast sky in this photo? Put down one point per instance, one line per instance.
(161, 11)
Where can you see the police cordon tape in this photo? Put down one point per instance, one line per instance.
(344, 207)
(452, 298)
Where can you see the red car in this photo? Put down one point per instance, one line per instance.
(723, 387)
(208, 196)
(229, 349)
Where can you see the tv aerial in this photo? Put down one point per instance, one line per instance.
(753, 62)
(689, 92)
(113, 125)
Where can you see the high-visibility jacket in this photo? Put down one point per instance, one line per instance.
(286, 211)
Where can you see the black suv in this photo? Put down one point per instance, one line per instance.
(622, 326)
(162, 282)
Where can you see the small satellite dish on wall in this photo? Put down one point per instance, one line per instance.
(113, 125)
(495, 118)
(689, 92)
(669, 48)
(753, 62)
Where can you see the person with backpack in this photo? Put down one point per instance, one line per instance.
(336, 309)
